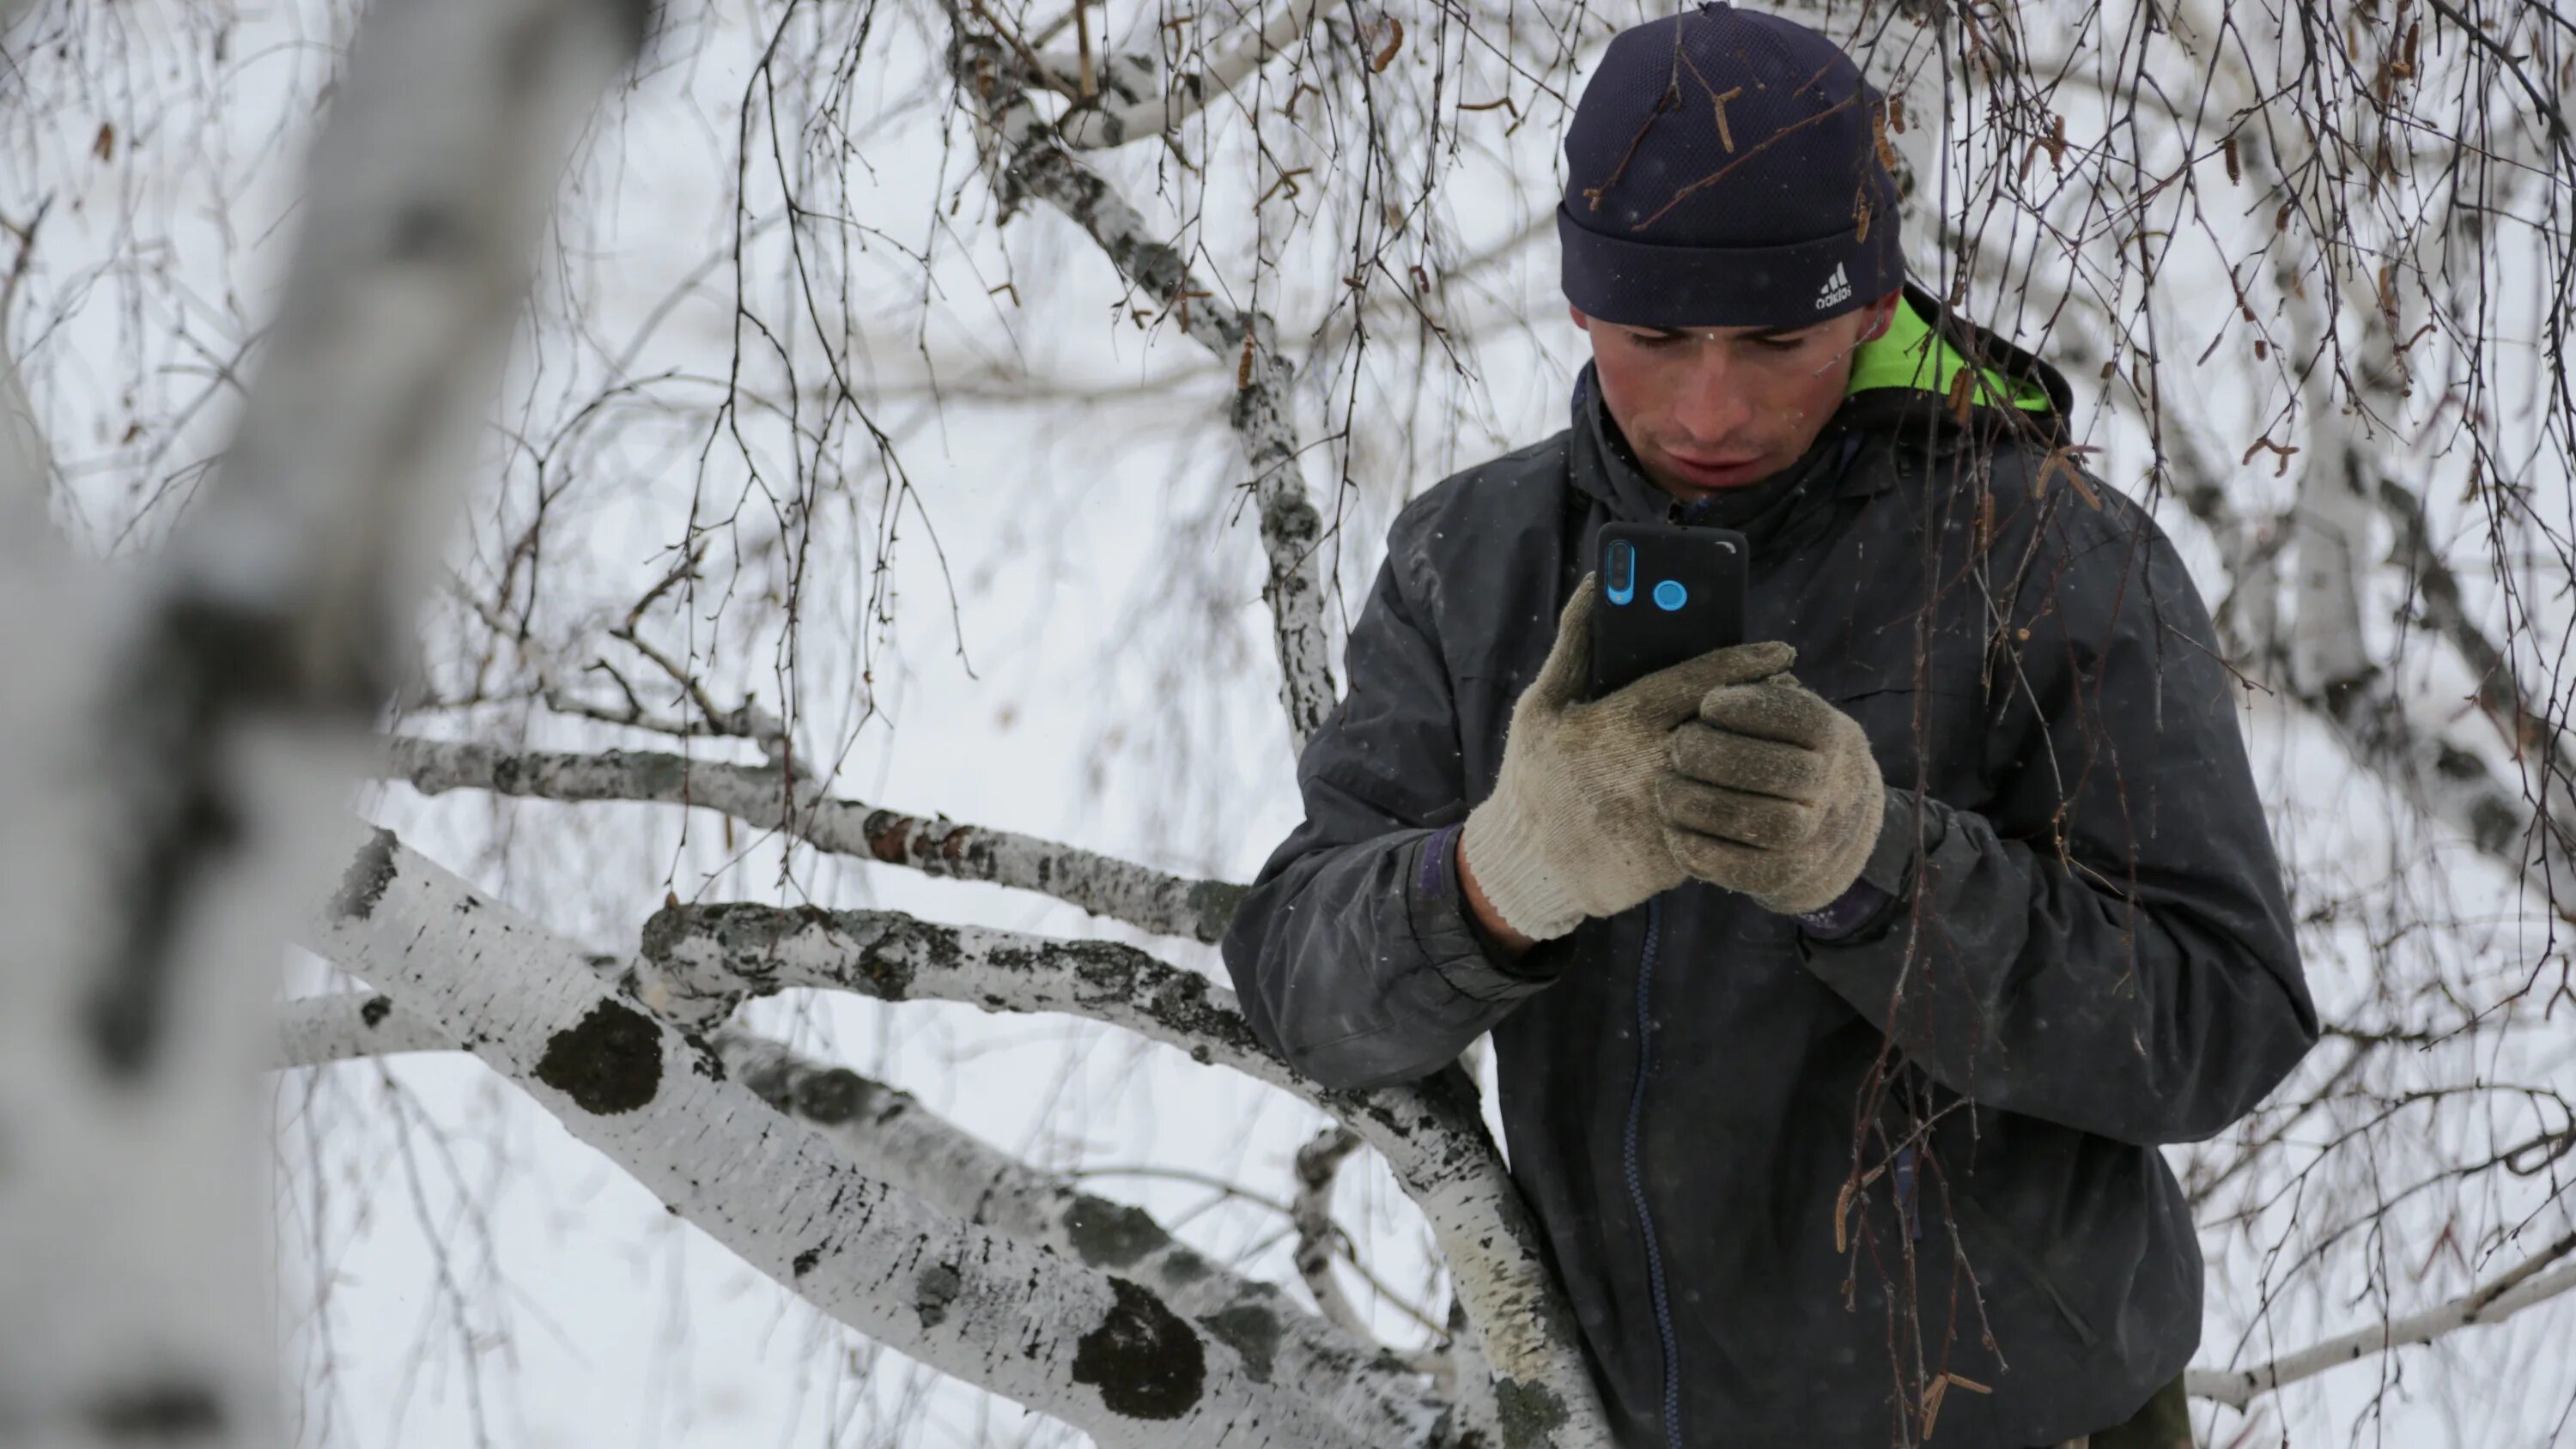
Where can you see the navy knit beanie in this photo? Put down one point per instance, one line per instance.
(1725, 169)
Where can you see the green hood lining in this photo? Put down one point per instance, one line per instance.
(1898, 359)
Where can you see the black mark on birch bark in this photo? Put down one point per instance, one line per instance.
(1252, 1331)
(375, 1009)
(363, 884)
(1214, 902)
(610, 1062)
(1530, 1413)
(1146, 1362)
(933, 1291)
(833, 1096)
(1109, 1234)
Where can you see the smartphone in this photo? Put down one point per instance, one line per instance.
(1667, 594)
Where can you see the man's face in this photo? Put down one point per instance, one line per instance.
(1713, 408)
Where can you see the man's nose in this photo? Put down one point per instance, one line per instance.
(1713, 405)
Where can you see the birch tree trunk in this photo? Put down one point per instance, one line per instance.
(175, 758)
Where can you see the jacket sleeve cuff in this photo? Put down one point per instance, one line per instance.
(1886, 880)
(1446, 930)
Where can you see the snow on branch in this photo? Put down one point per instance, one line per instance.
(1099, 127)
(701, 961)
(1027, 158)
(1094, 1348)
(770, 799)
(2508, 1295)
(889, 1135)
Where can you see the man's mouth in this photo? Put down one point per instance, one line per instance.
(1718, 472)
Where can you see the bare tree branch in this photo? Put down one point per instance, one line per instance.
(314, 1031)
(699, 962)
(1319, 1164)
(890, 1136)
(2528, 730)
(1100, 127)
(2508, 1295)
(2382, 728)
(1098, 1350)
(770, 799)
(914, 1149)
(2394, 737)
(1024, 153)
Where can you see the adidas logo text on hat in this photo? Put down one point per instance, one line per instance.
(1837, 288)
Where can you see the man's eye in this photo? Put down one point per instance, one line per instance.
(1784, 344)
(1658, 340)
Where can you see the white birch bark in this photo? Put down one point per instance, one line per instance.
(1023, 152)
(2332, 520)
(175, 758)
(700, 962)
(912, 1148)
(1319, 1166)
(1102, 126)
(889, 1135)
(315, 1031)
(2405, 739)
(769, 799)
(2435, 590)
(2388, 733)
(1096, 1349)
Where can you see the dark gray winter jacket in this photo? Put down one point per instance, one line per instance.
(1791, 1182)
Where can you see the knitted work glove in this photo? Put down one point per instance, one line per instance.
(1571, 829)
(1773, 792)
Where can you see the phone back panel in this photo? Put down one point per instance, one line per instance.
(1667, 594)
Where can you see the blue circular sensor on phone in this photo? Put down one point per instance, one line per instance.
(1670, 595)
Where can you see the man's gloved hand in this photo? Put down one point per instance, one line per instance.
(1772, 792)
(1572, 828)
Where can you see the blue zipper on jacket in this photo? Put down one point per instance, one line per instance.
(1637, 1183)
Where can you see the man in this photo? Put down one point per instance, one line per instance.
(1838, 1013)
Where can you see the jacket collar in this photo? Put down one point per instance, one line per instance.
(1603, 466)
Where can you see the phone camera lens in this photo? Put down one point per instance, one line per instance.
(1622, 572)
